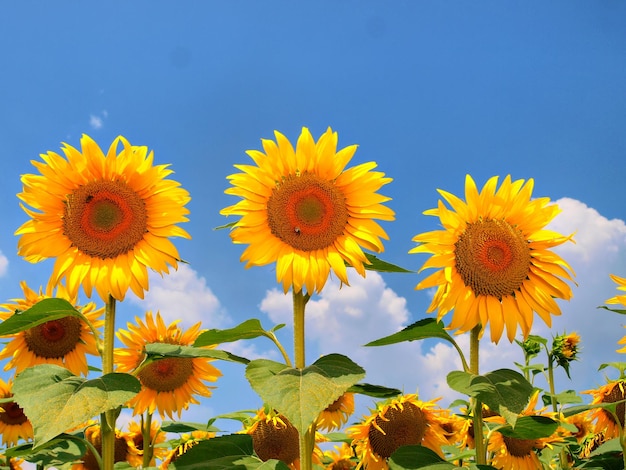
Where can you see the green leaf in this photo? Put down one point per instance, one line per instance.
(181, 427)
(421, 329)
(379, 265)
(43, 311)
(230, 452)
(301, 394)
(530, 427)
(55, 453)
(417, 456)
(504, 391)
(574, 410)
(376, 391)
(612, 445)
(563, 398)
(156, 351)
(56, 400)
(228, 225)
(615, 310)
(247, 330)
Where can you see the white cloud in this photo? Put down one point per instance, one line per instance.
(4, 264)
(183, 295)
(96, 121)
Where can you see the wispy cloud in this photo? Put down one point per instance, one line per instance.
(96, 121)
(4, 264)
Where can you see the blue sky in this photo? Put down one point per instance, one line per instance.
(431, 90)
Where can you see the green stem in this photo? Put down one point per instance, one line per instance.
(299, 304)
(481, 454)
(147, 439)
(272, 336)
(108, 418)
(555, 408)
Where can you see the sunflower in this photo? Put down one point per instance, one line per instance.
(136, 444)
(337, 413)
(274, 437)
(65, 341)
(605, 422)
(300, 209)
(395, 423)
(493, 258)
(104, 218)
(94, 436)
(621, 300)
(12, 463)
(14, 425)
(340, 458)
(186, 442)
(167, 385)
(511, 453)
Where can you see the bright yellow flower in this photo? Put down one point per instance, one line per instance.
(605, 422)
(493, 258)
(187, 441)
(621, 300)
(337, 413)
(136, 444)
(104, 218)
(394, 423)
(341, 458)
(14, 425)
(302, 210)
(64, 342)
(167, 385)
(94, 436)
(511, 453)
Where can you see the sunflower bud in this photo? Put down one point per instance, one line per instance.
(565, 350)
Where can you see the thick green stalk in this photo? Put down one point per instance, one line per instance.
(479, 442)
(147, 440)
(108, 418)
(562, 454)
(299, 304)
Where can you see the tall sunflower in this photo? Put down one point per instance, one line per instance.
(302, 210)
(493, 258)
(104, 218)
(14, 425)
(167, 385)
(394, 423)
(64, 342)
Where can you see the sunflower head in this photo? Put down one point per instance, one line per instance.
(64, 342)
(168, 385)
(136, 443)
(94, 436)
(14, 425)
(493, 258)
(303, 210)
(337, 413)
(105, 219)
(394, 423)
(186, 442)
(609, 422)
(340, 457)
(274, 437)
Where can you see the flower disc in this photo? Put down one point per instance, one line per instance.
(519, 447)
(492, 258)
(105, 219)
(55, 338)
(276, 439)
(166, 375)
(398, 427)
(12, 415)
(307, 212)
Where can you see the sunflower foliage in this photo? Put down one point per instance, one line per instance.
(107, 217)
